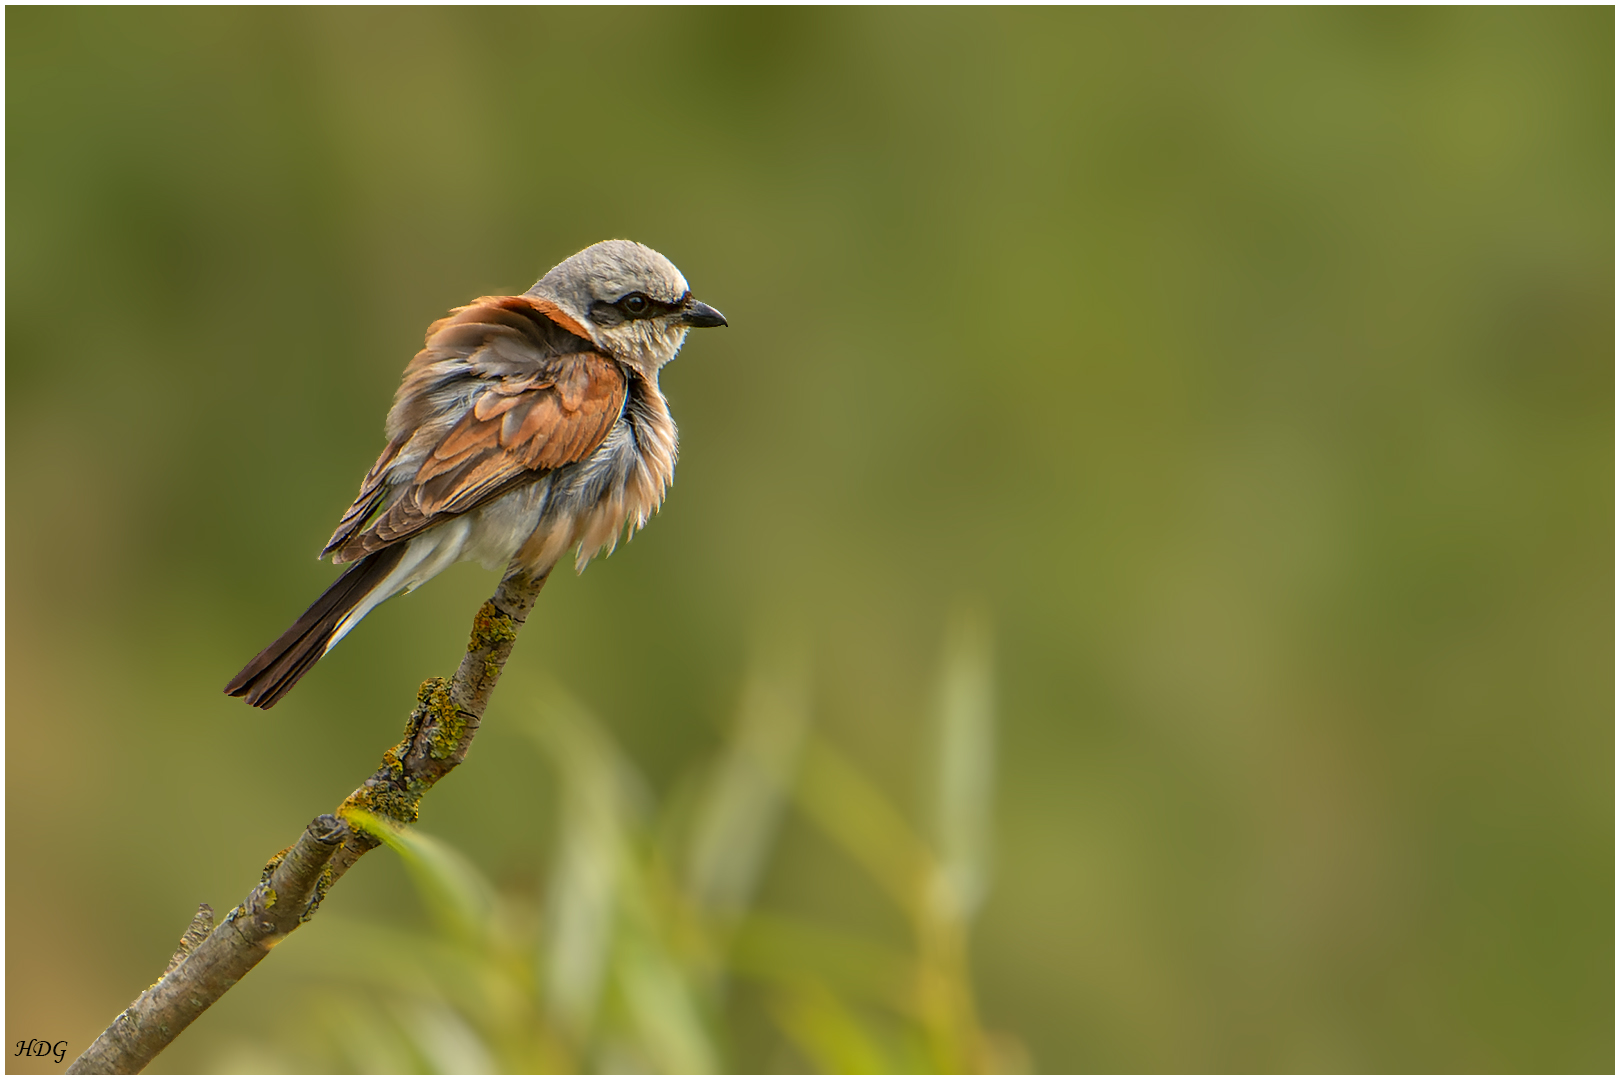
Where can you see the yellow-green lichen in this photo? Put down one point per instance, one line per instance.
(275, 861)
(445, 723)
(393, 759)
(322, 883)
(269, 898)
(413, 725)
(491, 628)
(384, 802)
(432, 700)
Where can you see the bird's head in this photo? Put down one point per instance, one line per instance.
(633, 301)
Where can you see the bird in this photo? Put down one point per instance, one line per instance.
(525, 427)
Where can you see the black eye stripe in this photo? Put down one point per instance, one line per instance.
(639, 305)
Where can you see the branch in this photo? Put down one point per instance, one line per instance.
(294, 882)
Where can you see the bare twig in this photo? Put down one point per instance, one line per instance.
(437, 737)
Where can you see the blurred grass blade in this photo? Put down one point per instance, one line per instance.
(828, 1033)
(361, 1034)
(456, 893)
(663, 1010)
(580, 915)
(854, 813)
(447, 1042)
(964, 766)
(604, 916)
(740, 808)
(598, 792)
(784, 950)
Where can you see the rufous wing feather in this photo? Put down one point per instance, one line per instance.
(534, 396)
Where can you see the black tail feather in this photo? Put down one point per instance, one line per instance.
(272, 673)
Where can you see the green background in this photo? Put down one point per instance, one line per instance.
(1253, 370)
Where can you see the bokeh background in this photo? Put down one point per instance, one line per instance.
(1251, 372)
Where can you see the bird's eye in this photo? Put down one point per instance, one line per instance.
(634, 305)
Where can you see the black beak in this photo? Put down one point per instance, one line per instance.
(697, 313)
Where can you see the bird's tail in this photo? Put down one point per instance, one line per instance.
(272, 673)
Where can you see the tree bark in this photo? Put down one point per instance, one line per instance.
(437, 736)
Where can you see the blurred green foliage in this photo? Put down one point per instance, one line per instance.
(1252, 370)
(628, 961)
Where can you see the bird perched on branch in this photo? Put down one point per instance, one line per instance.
(526, 426)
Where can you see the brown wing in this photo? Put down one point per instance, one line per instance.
(492, 401)
(373, 489)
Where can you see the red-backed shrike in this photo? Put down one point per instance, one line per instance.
(526, 426)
